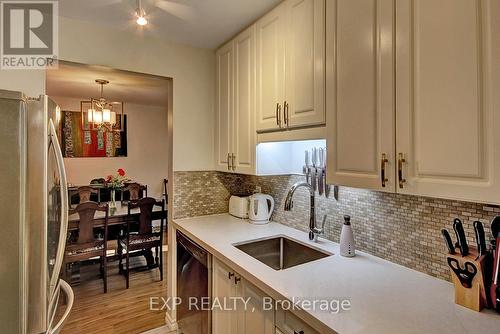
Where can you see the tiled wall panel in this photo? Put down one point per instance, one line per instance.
(400, 228)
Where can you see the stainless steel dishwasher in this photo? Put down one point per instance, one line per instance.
(194, 270)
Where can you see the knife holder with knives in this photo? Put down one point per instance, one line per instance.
(468, 278)
(315, 170)
(471, 267)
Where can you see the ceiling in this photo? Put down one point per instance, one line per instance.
(78, 81)
(198, 23)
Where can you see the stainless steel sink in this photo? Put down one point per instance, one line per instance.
(280, 252)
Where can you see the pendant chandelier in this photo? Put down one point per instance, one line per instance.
(98, 113)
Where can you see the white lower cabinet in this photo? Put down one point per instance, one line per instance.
(229, 291)
(223, 288)
(288, 323)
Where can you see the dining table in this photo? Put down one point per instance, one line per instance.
(116, 215)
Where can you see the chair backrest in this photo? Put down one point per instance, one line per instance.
(145, 206)
(98, 181)
(134, 189)
(84, 193)
(165, 190)
(86, 211)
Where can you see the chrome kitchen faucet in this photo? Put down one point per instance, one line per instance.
(314, 231)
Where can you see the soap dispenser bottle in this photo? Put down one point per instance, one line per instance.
(347, 247)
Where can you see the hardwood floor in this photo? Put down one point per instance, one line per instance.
(120, 310)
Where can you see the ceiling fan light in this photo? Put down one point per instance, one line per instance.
(141, 20)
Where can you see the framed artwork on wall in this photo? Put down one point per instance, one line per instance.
(79, 140)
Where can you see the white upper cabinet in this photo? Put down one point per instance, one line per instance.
(446, 86)
(235, 105)
(304, 63)
(290, 66)
(224, 106)
(270, 38)
(360, 94)
(244, 102)
(430, 131)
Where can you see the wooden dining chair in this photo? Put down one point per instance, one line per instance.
(85, 192)
(144, 239)
(87, 246)
(98, 181)
(165, 190)
(135, 189)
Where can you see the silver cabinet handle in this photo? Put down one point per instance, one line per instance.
(237, 280)
(229, 161)
(233, 158)
(230, 275)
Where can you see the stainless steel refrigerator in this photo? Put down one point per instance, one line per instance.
(33, 216)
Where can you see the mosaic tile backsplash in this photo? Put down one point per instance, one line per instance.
(400, 228)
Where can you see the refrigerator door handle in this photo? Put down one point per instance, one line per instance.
(70, 297)
(64, 206)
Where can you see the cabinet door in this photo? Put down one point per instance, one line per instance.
(223, 289)
(447, 128)
(288, 323)
(305, 63)
(224, 105)
(243, 141)
(360, 93)
(256, 317)
(270, 47)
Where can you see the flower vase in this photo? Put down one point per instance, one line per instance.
(112, 204)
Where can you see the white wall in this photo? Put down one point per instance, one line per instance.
(147, 158)
(192, 70)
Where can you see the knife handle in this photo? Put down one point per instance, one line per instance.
(480, 237)
(460, 233)
(448, 242)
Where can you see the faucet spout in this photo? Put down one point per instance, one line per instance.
(313, 230)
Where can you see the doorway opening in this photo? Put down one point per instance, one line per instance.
(130, 143)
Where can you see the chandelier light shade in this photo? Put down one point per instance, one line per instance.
(98, 113)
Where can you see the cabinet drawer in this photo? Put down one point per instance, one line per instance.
(288, 323)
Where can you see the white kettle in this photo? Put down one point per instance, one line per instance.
(261, 208)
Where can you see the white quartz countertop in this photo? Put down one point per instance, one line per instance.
(385, 297)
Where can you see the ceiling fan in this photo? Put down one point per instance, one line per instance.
(178, 8)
